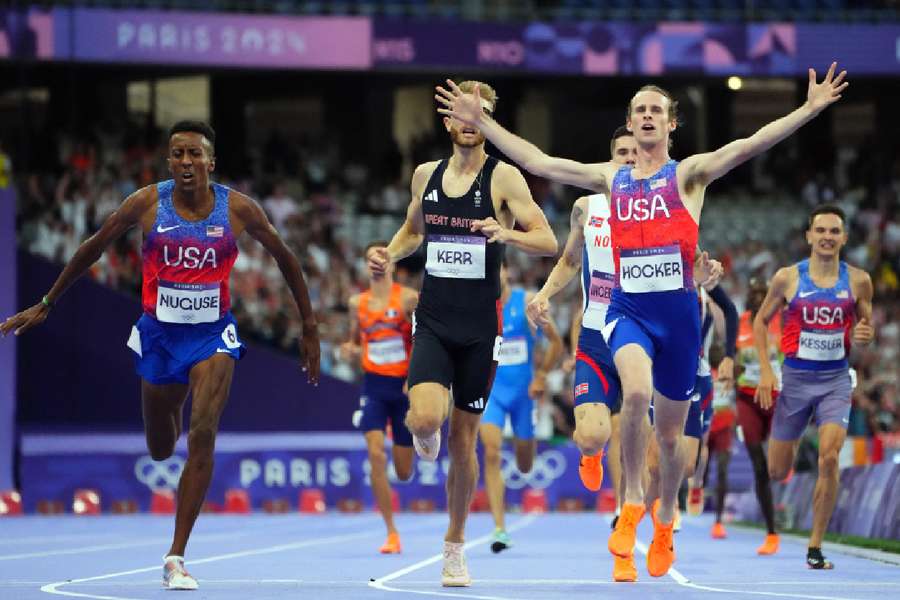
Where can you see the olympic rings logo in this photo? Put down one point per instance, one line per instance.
(548, 467)
(161, 475)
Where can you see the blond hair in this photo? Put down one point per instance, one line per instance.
(487, 92)
(673, 103)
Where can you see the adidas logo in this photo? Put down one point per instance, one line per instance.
(432, 196)
(477, 404)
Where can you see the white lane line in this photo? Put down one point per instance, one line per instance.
(684, 581)
(381, 582)
(53, 588)
(208, 537)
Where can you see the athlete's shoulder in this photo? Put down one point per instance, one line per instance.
(858, 276)
(424, 170)
(353, 301)
(141, 200)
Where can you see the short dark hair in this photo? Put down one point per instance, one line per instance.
(621, 131)
(826, 209)
(375, 244)
(204, 129)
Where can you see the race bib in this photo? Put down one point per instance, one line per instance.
(645, 270)
(387, 351)
(456, 256)
(602, 285)
(187, 302)
(514, 351)
(821, 345)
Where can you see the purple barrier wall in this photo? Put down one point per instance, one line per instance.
(75, 371)
(7, 346)
(588, 47)
(270, 466)
(868, 502)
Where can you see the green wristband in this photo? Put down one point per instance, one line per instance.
(46, 302)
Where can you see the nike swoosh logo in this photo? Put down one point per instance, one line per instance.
(161, 229)
(805, 294)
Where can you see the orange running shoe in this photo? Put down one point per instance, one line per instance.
(718, 531)
(624, 569)
(621, 542)
(591, 471)
(391, 545)
(662, 550)
(770, 546)
(695, 501)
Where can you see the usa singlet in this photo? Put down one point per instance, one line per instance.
(654, 303)
(818, 321)
(187, 263)
(185, 292)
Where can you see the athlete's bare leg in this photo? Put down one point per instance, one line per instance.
(688, 449)
(210, 381)
(162, 406)
(492, 440)
(831, 438)
(381, 487)
(781, 458)
(463, 474)
(592, 428)
(428, 406)
(669, 417)
(634, 368)
(614, 458)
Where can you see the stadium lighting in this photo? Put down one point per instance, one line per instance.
(735, 83)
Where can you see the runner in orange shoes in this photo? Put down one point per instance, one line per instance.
(381, 339)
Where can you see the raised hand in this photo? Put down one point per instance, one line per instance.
(822, 95)
(25, 320)
(459, 105)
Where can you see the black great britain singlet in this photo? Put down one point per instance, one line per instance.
(462, 271)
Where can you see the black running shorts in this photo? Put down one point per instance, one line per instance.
(457, 349)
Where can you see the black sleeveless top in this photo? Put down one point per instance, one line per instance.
(462, 270)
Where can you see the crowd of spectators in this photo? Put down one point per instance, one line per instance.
(312, 203)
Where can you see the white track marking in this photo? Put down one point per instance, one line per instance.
(381, 581)
(53, 588)
(684, 581)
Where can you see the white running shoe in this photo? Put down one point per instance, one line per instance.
(455, 573)
(428, 448)
(175, 577)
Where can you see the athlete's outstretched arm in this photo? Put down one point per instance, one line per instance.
(775, 299)
(121, 220)
(252, 219)
(467, 108)
(706, 168)
(566, 267)
(538, 238)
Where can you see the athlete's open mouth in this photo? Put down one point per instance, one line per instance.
(647, 127)
(469, 131)
(187, 176)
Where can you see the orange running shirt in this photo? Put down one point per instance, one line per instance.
(748, 358)
(385, 335)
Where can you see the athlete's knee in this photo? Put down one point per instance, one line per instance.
(635, 400)
(377, 460)
(201, 438)
(778, 472)
(423, 422)
(160, 451)
(461, 443)
(590, 440)
(491, 455)
(828, 462)
(404, 472)
(524, 461)
(668, 439)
